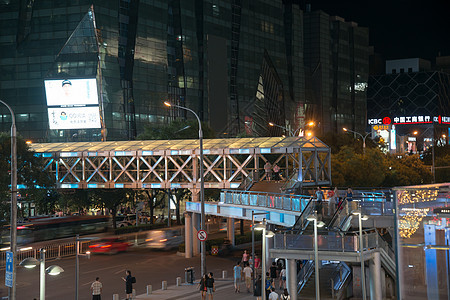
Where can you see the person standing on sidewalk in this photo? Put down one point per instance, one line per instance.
(202, 286)
(129, 280)
(210, 286)
(245, 258)
(273, 295)
(257, 288)
(96, 289)
(248, 276)
(237, 277)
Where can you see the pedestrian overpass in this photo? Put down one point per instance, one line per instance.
(227, 163)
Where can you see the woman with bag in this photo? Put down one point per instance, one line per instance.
(285, 295)
(202, 286)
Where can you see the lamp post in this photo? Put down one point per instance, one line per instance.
(316, 250)
(265, 234)
(253, 244)
(13, 227)
(202, 185)
(53, 270)
(361, 250)
(363, 137)
(293, 133)
(77, 265)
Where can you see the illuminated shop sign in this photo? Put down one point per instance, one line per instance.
(381, 127)
(410, 120)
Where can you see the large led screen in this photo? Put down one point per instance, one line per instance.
(74, 117)
(71, 92)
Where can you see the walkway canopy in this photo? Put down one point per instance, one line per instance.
(175, 163)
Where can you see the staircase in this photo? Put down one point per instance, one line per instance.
(267, 187)
(309, 290)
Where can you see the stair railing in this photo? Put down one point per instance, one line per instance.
(304, 274)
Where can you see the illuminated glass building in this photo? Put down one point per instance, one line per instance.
(409, 106)
(238, 64)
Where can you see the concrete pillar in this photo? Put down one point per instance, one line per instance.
(230, 231)
(188, 235)
(291, 278)
(375, 277)
(178, 281)
(195, 229)
(164, 285)
(149, 289)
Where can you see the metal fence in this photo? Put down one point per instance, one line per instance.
(265, 200)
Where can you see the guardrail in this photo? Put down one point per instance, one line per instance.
(265, 200)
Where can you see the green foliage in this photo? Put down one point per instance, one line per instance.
(176, 130)
(375, 169)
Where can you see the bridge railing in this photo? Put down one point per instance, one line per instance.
(295, 203)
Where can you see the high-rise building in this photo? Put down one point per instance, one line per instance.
(238, 64)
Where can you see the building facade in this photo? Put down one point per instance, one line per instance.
(238, 64)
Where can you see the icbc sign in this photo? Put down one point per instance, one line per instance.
(385, 121)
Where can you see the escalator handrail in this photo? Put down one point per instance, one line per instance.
(303, 214)
(338, 211)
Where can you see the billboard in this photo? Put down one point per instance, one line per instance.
(71, 92)
(74, 117)
(72, 103)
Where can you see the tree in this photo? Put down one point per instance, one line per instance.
(30, 174)
(406, 170)
(112, 199)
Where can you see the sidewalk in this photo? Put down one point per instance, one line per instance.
(224, 291)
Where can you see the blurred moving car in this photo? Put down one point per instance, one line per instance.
(109, 246)
(167, 238)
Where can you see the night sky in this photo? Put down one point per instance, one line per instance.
(398, 28)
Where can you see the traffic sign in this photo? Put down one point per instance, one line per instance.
(9, 269)
(202, 235)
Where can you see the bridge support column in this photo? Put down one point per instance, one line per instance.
(230, 231)
(291, 278)
(195, 229)
(375, 277)
(188, 235)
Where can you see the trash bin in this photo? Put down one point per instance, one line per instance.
(189, 275)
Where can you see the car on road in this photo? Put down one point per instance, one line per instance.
(109, 246)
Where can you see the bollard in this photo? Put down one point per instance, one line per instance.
(164, 285)
(133, 294)
(178, 281)
(224, 274)
(116, 297)
(149, 289)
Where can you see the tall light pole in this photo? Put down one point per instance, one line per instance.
(253, 243)
(293, 133)
(361, 250)
(282, 127)
(202, 185)
(265, 234)
(13, 227)
(316, 250)
(32, 262)
(77, 261)
(363, 137)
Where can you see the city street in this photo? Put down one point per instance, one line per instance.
(149, 267)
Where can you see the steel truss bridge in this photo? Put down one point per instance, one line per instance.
(175, 163)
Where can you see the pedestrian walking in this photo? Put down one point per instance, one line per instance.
(210, 285)
(285, 295)
(237, 277)
(319, 199)
(268, 170)
(257, 288)
(96, 289)
(257, 262)
(273, 273)
(273, 295)
(248, 276)
(276, 172)
(129, 280)
(268, 284)
(202, 286)
(283, 278)
(245, 258)
(349, 198)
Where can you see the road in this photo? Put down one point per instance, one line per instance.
(149, 267)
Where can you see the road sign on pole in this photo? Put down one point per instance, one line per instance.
(202, 235)
(9, 269)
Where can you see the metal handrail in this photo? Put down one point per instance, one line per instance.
(291, 181)
(303, 218)
(338, 211)
(304, 274)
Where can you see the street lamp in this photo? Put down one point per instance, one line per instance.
(77, 266)
(13, 227)
(282, 127)
(53, 270)
(202, 184)
(363, 137)
(317, 224)
(361, 249)
(253, 243)
(265, 233)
